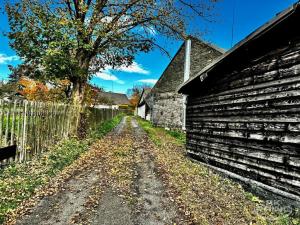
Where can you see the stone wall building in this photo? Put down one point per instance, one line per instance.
(167, 107)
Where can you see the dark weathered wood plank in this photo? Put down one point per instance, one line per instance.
(247, 120)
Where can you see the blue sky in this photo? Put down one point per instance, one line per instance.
(249, 15)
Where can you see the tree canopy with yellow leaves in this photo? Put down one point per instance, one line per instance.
(74, 39)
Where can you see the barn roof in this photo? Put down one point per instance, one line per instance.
(278, 30)
(115, 98)
(144, 94)
(202, 54)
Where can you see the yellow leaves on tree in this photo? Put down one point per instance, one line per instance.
(33, 90)
(136, 92)
(134, 99)
(90, 95)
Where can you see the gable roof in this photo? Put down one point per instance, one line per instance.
(276, 31)
(202, 54)
(144, 94)
(115, 98)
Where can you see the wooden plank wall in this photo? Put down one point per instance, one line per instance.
(248, 121)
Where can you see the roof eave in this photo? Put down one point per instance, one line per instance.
(203, 74)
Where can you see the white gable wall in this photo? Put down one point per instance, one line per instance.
(141, 111)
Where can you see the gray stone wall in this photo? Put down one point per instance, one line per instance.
(167, 110)
(165, 103)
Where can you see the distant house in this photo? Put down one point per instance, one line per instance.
(143, 109)
(166, 105)
(243, 109)
(111, 100)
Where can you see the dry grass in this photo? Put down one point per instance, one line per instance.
(205, 195)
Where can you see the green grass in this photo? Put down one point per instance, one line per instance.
(175, 136)
(178, 135)
(20, 181)
(105, 127)
(150, 130)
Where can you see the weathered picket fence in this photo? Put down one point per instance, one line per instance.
(28, 128)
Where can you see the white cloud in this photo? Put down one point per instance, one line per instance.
(107, 76)
(123, 19)
(4, 59)
(148, 81)
(152, 31)
(148, 30)
(120, 81)
(133, 68)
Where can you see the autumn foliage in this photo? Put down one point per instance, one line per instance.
(90, 95)
(135, 93)
(134, 99)
(34, 90)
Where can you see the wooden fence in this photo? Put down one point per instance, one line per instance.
(28, 128)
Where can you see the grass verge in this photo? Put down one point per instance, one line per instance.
(206, 196)
(19, 182)
(178, 135)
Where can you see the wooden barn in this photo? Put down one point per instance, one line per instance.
(243, 110)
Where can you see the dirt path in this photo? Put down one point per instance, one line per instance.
(154, 206)
(108, 194)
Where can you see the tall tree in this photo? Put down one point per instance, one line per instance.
(73, 39)
(135, 93)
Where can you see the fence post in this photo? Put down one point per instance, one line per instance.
(12, 131)
(38, 124)
(1, 122)
(7, 124)
(23, 148)
(19, 124)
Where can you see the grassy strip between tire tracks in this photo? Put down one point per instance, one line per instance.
(208, 197)
(18, 182)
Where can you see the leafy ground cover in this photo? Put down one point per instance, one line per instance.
(18, 182)
(114, 157)
(115, 182)
(129, 178)
(206, 196)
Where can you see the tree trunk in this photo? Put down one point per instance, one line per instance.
(77, 95)
(80, 80)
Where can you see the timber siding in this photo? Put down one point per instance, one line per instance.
(247, 118)
(253, 127)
